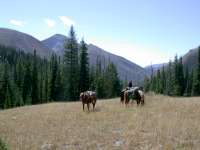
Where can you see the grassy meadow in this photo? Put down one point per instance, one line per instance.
(162, 123)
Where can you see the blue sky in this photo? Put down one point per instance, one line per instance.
(143, 31)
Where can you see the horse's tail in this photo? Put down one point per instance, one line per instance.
(126, 97)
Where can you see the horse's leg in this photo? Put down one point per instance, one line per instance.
(138, 102)
(83, 106)
(132, 102)
(142, 102)
(93, 105)
(88, 106)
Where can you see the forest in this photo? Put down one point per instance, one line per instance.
(27, 79)
(175, 79)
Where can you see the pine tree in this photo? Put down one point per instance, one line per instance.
(41, 83)
(92, 79)
(169, 79)
(26, 91)
(84, 67)
(34, 92)
(147, 84)
(196, 78)
(46, 83)
(163, 80)
(181, 77)
(158, 82)
(175, 80)
(99, 79)
(112, 82)
(53, 77)
(198, 71)
(20, 73)
(6, 90)
(71, 61)
(187, 83)
(58, 83)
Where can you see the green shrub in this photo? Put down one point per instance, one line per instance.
(3, 145)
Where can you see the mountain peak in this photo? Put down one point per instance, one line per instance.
(22, 41)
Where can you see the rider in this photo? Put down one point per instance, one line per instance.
(130, 84)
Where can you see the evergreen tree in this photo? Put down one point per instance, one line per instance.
(46, 83)
(41, 83)
(196, 78)
(58, 83)
(169, 79)
(175, 80)
(158, 82)
(20, 73)
(34, 92)
(187, 82)
(71, 61)
(147, 84)
(92, 79)
(54, 70)
(26, 91)
(6, 90)
(84, 67)
(99, 79)
(181, 77)
(112, 82)
(163, 80)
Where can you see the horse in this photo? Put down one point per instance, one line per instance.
(141, 97)
(88, 97)
(134, 93)
(122, 97)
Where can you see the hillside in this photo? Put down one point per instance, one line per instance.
(163, 123)
(22, 41)
(126, 69)
(190, 59)
(155, 67)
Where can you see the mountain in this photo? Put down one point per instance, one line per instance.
(126, 69)
(55, 43)
(22, 41)
(155, 67)
(190, 59)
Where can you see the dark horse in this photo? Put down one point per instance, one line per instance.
(134, 93)
(87, 98)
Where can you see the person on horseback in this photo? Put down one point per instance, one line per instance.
(130, 84)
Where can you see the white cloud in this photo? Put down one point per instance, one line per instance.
(67, 21)
(50, 23)
(16, 22)
(139, 54)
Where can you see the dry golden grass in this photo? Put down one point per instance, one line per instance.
(163, 123)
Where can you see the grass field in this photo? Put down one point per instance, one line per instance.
(163, 123)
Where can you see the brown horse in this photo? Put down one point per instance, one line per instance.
(122, 97)
(87, 98)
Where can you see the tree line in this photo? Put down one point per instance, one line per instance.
(27, 79)
(175, 79)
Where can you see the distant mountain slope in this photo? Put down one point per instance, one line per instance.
(190, 59)
(22, 41)
(155, 68)
(126, 69)
(55, 43)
